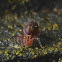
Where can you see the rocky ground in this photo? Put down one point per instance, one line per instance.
(50, 25)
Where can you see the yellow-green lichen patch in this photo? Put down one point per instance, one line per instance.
(56, 26)
(1, 52)
(7, 52)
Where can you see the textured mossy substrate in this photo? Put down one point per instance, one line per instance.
(50, 25)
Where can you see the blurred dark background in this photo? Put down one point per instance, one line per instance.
(18, 6)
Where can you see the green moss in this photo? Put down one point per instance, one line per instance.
(7, 52)
(1, 52)
(56, 26)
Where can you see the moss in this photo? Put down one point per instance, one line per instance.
(18, 52)
(1, 52)
(7, 52)
(13, 26)
(56, 26)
